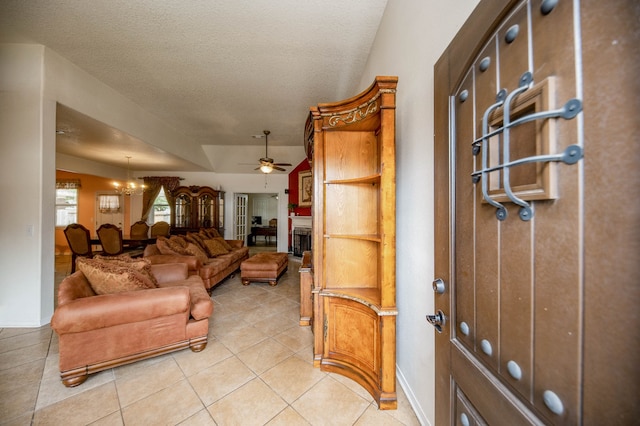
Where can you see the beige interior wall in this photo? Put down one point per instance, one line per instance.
(23, 301)
(410, 39)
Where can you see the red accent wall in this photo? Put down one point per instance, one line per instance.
(293, 193)
(293, 188)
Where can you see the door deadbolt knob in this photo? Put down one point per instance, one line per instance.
(438, 285)
(437, 320)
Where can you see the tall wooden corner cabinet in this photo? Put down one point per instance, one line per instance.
(354, 293)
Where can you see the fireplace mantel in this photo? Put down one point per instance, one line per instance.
(300, 222)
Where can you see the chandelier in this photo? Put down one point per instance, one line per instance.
(129, 187)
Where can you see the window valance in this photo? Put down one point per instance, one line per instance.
(68, 184)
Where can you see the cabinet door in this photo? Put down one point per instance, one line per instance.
(220, 223)
(206, 211)
(182, 211)
(352, 336)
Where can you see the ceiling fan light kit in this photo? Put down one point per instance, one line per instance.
(266, 168)
(266, 164)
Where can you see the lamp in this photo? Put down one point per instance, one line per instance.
(266, 168)
(130, 187)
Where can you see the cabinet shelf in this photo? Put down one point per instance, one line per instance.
(369, 297)
(372, 179)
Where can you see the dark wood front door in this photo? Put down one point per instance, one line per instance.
(537, 215)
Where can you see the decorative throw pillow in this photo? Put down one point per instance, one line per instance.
(107, 277)
(139, 264)
(166, 246)
(176, 246)
(180, 240)
(196, 251)
(211, 232)
(215, 248)
(197, 239)
(224, 243)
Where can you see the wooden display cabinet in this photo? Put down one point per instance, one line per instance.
(354, 251)
(197, 207)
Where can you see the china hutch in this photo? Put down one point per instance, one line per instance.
(352, 145)
(197, 207)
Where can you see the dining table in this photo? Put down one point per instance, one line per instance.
(127, 240)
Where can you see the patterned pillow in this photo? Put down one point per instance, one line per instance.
(224, 243)
(107, 277)
(166, 246)
(139, 264)
(180, 240)
(211, 232)
(197, 239)
(196, 251)
(215, 248)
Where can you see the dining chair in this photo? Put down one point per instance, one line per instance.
(160, 229)
(79, 240)
(138, 234)
(111, 239)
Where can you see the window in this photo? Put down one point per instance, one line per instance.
(109, 203)
(160, 211)
(66, 206)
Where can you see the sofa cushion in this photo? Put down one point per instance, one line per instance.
(215, 247)
(107, 277)
(217, 264)
(139, 264)
(238, 254)
(201, 304)
(196, 251)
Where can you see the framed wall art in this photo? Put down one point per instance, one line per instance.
(305, 188)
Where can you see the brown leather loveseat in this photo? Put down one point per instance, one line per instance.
(141, 313)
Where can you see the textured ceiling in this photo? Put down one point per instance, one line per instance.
(219, 71)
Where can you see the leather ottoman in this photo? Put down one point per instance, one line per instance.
(264, 267)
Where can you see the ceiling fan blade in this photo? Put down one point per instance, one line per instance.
(282, 164)
(278, 168)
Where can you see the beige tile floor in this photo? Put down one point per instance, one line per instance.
(256, 370)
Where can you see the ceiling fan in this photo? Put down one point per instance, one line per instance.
(266, 164)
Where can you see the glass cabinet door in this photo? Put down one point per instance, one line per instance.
(183, 211)
(206, 209)
(221, 213)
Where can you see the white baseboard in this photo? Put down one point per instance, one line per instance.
(422, 418)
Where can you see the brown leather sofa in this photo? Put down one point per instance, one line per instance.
(212, 270)
(98, 332)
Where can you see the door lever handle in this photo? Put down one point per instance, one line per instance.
(438, 320)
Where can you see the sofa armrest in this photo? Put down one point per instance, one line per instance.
(192, 262)
(168, 272)
(235, 243)
(107, 310)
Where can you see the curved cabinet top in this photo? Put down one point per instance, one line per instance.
(361, 112)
